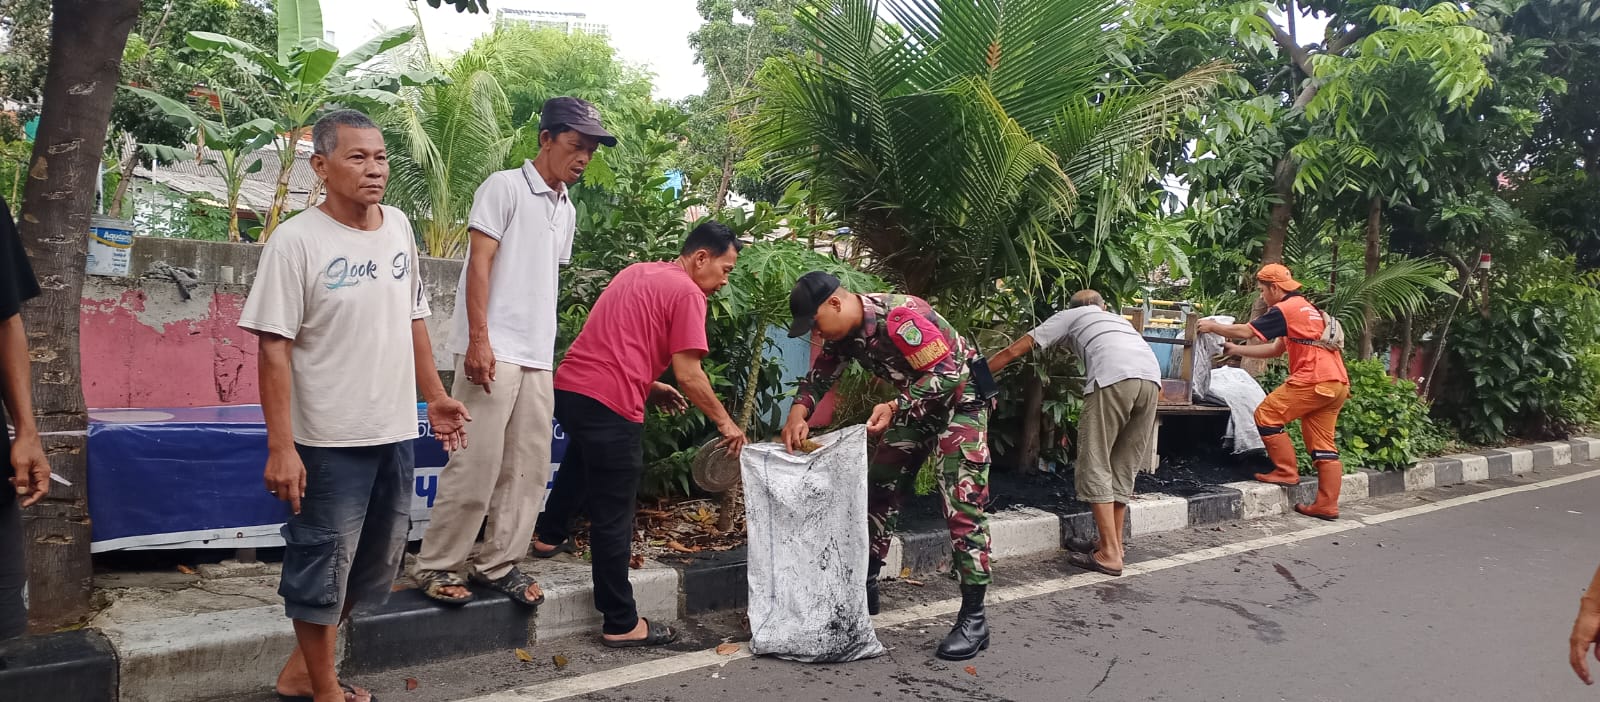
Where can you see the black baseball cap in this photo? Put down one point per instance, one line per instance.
(581, 115)
(809, 293)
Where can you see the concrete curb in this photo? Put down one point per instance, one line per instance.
(72, 666)
(206, 656)
(236, 652)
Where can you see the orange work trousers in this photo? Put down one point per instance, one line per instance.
(1316, 406)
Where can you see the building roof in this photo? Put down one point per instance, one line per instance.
(195, 177)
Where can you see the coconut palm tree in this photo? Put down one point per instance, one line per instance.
(956, 139)
(445, 139)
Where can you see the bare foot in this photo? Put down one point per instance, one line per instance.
(542, 547)
(359, 695)
(534, 592)
(295, 681)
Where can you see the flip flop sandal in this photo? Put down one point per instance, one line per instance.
(563, 547)
(513, 584)
(655, 635)
(347, 687)
(1086, 561)
(435, 581)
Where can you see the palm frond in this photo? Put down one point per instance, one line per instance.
(1400, 288)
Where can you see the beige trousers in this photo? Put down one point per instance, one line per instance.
(1115, 435)
(500, 475)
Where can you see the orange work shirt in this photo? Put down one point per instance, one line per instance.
(1296, 318)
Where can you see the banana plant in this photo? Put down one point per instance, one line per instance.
(758, 291)
(226, 145)
(306, 75)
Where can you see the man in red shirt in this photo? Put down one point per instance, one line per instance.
(1315, 391)
(651, 316)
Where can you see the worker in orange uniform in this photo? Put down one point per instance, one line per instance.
(1315, 391)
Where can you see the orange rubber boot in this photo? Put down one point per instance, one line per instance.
(1280, 448)
(1330, 477)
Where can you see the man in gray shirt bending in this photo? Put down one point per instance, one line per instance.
(1121, 384)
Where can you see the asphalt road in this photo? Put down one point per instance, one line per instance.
(1463, 593)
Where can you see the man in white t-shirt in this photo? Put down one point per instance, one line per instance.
(504, 338)
(1121, 387)
(338, 306)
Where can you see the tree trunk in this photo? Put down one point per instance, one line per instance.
(1032, 407)
(1444, 335)
(1407, 343)
(1282, 211)
(316, 192)
(724, 183)
(1374, 253)
(280, 196)
(747, 413)
(87, 39)
(1333, 274)
(130, 161)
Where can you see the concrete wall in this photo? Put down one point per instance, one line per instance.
(143, 345)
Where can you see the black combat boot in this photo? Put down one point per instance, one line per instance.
(873, 566)
(971, 632)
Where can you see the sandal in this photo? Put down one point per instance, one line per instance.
(1086, 561)
(655, 635)
(563, 547)
(513, 584)
(434, 582)
(347, 687)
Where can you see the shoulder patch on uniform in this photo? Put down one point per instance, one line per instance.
(918, 339)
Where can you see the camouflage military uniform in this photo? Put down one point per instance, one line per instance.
(903, 341)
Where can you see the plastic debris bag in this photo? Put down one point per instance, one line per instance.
(807, 521)
(1243, 395)
(1206, 347)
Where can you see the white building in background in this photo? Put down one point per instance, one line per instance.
(568, 22)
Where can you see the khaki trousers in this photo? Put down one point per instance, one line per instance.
(1114, 439)
(500, 475)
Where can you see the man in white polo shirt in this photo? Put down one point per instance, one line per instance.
(521, 230)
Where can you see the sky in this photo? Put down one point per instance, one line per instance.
(653, 34)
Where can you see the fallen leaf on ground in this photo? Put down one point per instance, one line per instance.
(186, 570)
(559, 660)
(411, 683)
(524, 656)
(680, 548)
(727, 649)
(972, 671)
(905, 572)
(637, 561)
(909, 581)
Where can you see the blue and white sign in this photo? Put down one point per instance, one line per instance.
(191, 478)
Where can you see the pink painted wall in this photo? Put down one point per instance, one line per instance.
(150, 348)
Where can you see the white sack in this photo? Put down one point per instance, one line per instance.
(1243, 395)
(807, 521)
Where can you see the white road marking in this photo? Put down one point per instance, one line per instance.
(673, 665)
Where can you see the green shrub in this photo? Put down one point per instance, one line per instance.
(1529, 369)
(1383, 426)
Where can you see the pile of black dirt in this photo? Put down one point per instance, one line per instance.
(1195, 473)
(1200, 473)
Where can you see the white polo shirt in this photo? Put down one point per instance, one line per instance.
(534, 225)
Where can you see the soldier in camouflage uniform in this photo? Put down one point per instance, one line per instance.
(901, 340)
